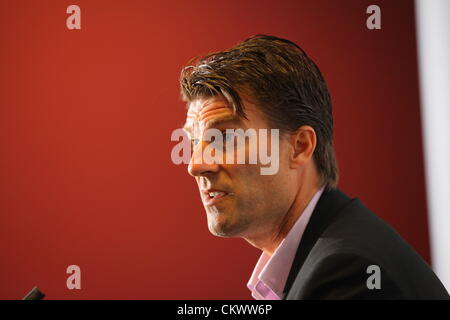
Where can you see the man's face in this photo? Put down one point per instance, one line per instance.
(244, 203)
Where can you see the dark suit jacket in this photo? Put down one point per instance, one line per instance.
(342, 239)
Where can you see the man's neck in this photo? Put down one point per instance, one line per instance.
(270, 243)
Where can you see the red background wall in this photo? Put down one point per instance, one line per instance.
(85, 124)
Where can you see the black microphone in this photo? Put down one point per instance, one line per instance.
(34, 294)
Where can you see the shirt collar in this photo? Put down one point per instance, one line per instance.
(270, 273)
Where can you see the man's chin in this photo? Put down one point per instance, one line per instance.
(219, 233)
(222, 228)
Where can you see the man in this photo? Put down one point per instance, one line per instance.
(317, 243)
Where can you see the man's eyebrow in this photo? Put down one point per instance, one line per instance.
(215, 122)
(220, 120)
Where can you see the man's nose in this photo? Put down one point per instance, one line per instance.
(198, 166)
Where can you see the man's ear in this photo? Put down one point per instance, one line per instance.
(303, 143)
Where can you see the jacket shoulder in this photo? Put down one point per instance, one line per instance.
(342, 276)
(354, 243)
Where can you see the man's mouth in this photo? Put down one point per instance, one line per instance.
(212, 196)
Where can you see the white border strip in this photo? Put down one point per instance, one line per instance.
(433, 38)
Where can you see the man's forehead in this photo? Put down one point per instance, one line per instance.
(201, 105)
(209, 111)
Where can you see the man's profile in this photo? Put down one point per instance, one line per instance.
(316, 242)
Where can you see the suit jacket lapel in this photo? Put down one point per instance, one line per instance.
(329, 204)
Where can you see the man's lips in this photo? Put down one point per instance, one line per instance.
(212, 196)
